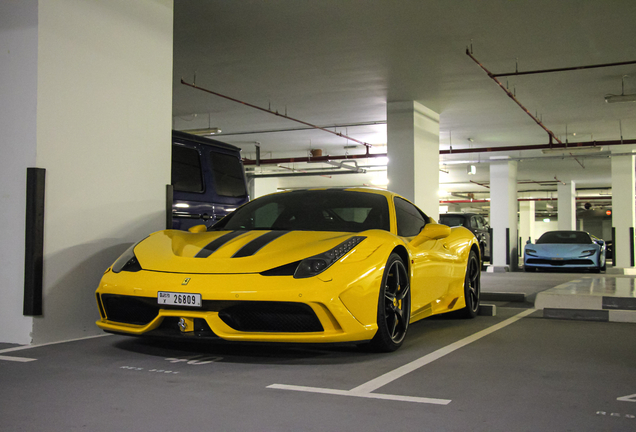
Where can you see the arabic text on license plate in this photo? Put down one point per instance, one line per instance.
(179, 299)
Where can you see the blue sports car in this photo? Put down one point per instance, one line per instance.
(565, 249)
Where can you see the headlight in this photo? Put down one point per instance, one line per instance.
(127, 261)
(588, 252)
(531, 251)
(317, 264)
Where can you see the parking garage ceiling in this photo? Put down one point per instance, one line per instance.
(338, 62)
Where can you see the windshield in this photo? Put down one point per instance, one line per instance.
(565, 237)
(311, 210)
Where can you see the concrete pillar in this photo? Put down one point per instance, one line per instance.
(89, 99)
(18, 141)
(263, 186)
(567, 206)
(503, 215)
(526, 222)
(413, 150)
(623, 210)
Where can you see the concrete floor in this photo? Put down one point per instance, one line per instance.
(501, 373)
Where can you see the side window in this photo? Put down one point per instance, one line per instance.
(229, 178)
(186, 169)
(410, 220)
(475, 222)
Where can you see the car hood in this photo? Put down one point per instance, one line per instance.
(226, 252)
(563, 250)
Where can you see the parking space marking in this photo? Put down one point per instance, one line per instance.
(366, 390)
(388, 377)
(26, 347)
(628, 398)
(363, 395)
(16, 359)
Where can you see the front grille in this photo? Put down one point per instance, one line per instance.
(558, 263)
(244, 316)
(271, 317)
(129, 309)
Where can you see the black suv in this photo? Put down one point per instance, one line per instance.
(473, 222)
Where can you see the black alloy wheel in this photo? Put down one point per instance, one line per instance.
(472, 286)
(394, 306)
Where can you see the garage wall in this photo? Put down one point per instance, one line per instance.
(103, 136)
(18, 96)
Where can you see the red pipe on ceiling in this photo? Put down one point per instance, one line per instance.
(514, 98)
(313, 159)
(276, 113)
(564, 146)
(443, 152)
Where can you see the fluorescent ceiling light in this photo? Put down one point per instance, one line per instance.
(206, 131)
(455, 162)
(471, 170)
(620, 98)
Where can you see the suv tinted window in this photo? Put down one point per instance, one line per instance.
(452, 220)
(476, 222)
(228, 175)
(410, 220)
(186, 169)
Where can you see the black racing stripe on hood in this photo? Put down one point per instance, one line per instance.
(217, 243)
(258, 243)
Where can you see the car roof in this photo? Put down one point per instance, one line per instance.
(377, 191)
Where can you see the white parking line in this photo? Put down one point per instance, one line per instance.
(388, 377)
(365, 390)
(25, 347)
(16, 359)
(363, 395)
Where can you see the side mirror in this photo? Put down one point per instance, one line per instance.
(198, 229)
(431, 231)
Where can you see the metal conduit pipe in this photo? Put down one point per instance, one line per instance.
(524, 199)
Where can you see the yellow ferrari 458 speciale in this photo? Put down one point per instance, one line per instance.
(306, 266)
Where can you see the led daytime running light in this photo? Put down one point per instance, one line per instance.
(319, 263)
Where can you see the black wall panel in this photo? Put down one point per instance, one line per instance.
(34, 242)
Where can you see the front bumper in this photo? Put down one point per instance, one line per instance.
(584, 263)
(243, 307)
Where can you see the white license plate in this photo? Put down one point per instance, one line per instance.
(179, 299)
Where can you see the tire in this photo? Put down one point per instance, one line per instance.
(394, 307)
(472, 287)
